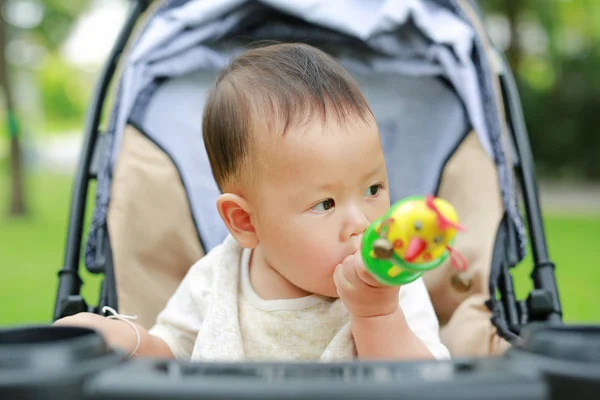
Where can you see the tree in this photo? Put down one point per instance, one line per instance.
(51, 33)
(17, 203)
(514, 8)
(555, 56)
(58, 19)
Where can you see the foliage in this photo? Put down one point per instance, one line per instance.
(562, 121)
(63, 91)
(559, 84)
(58, 18)
(558, 80)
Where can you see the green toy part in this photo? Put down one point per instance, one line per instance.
(380, 267)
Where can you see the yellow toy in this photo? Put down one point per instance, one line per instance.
(414, 236)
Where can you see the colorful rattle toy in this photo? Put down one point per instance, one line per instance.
(414, 236)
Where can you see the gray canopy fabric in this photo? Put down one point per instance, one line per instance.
(419, 63)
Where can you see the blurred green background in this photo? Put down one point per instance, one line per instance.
(51, 54)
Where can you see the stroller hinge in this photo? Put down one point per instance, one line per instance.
(70, 273)
(542, 302)
(72, 305)
(539, 305)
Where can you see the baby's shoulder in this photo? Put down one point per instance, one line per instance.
(221, 258)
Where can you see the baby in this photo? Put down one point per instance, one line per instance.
(296, 153)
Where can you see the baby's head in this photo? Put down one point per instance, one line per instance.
(296, 153)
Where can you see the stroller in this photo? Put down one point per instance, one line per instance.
(451, 125)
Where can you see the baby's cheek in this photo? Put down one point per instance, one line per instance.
(323, 255)
(313, 247)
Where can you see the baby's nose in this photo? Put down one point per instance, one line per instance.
(355, 224)
(357, 241)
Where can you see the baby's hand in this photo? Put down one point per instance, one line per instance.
(116, 333)
(133, 339)
(360, 292)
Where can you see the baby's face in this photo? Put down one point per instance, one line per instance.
(318, 189)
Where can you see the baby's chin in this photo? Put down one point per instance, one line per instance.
(330, 292)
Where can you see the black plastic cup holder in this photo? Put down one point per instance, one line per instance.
(28, 347)
(566, 356)
(42, 334)
(49, 361)
(579, 343)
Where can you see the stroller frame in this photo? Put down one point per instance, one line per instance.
(509, 314)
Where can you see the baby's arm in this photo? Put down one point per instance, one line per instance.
(387, 322)
(411, 332)
(387, 337)
(176, 327)
(120, 334)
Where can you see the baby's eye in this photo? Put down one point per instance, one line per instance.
(373, 190)
(324, 206)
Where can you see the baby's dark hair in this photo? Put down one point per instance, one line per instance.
(273, 87)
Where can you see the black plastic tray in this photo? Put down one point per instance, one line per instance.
(47, 362)
(568, 357)
(554, 362)
(485, 379)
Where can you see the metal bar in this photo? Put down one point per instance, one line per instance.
(543, 271)
(69, 279)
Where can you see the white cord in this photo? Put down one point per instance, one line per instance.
(124, 318)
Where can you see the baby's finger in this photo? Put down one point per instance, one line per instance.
(340, 280)
(364, 275)
(349, 271)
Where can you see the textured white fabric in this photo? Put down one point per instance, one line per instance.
(202, 320)
(289, 329)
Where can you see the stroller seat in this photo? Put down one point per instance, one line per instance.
(432, 90)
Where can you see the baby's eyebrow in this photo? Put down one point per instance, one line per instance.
(332, 186)
(327, 186)
(374, 171)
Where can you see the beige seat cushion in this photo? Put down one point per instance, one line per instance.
(470, 183)
(152, 234)
(154, 240)
(469, 333)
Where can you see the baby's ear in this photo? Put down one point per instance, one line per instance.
(235, 212)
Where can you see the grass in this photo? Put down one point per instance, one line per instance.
(32, 249)
(571, 243)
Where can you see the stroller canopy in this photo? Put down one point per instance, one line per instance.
(420, 63)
